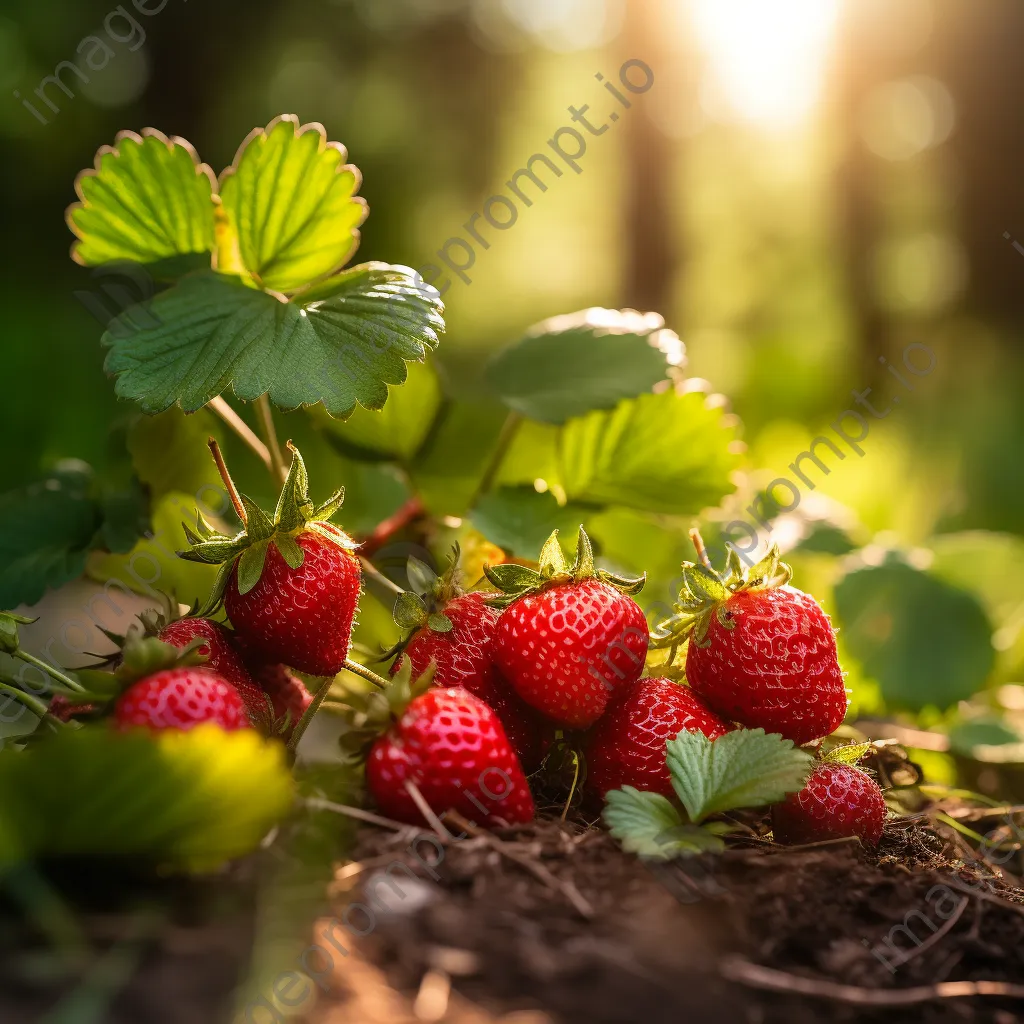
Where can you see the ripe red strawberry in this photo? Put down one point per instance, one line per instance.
(760, 653)
(463, 655)
(627, 746)
(290, 584)
(453, 747)
(838, 800)
(181, 698)
(301, 617)
(223, 658)
(569, 637)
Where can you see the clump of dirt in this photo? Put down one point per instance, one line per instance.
(553, 922)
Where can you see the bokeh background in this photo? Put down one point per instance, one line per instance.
(808, 187)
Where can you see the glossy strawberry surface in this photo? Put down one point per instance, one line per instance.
(224, 658)
(464, 656)
(181, 698)
(566, 649)
(453, 747)
(627, 746)
(776, 668)
(838, 800)
(300, 617)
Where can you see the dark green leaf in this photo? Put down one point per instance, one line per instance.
(924, 641)
(519, 519)
(290, 204)
(46, 532)
(670, 452)
(148, 199)
(571, 364)
(341, 344)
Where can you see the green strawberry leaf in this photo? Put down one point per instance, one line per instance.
(672, 452)
(650, 826)
(394, 433)
(410, 611)
(340, 344)
(637, 820)
(290, 204)
(184, 800)
(148, 199)
(519, 519)
(569, 365)
(743, 768)
(924, 641)
(440, 623)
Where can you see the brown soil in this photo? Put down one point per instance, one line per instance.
(605, 938)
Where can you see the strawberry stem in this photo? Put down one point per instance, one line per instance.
(219, 406)
(702, 554)
(366, 673)
(53, 673)
(229, 484)
(266, 418)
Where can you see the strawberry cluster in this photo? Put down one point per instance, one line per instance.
(489, 689)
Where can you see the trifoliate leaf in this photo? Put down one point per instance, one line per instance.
(339, 344)
(743, 768)
(147, 199)
(671, 452)
(518, 519)
(637, 820)
(569, 365)
(925, 642)
(289, 200)
(184, 800)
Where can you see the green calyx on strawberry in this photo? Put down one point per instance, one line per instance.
(422, 606)
(704, 595)
(372, 713)
(247, 550)
(141, 656)
(516, 581)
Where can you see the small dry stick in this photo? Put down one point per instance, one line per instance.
(571, 893)
(355, 812)
(427, 811)
(229, 484)
(735, 968)
(241, 428)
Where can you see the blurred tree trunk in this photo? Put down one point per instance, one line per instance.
(650, 245)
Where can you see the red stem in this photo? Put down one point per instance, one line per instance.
(383, 532)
